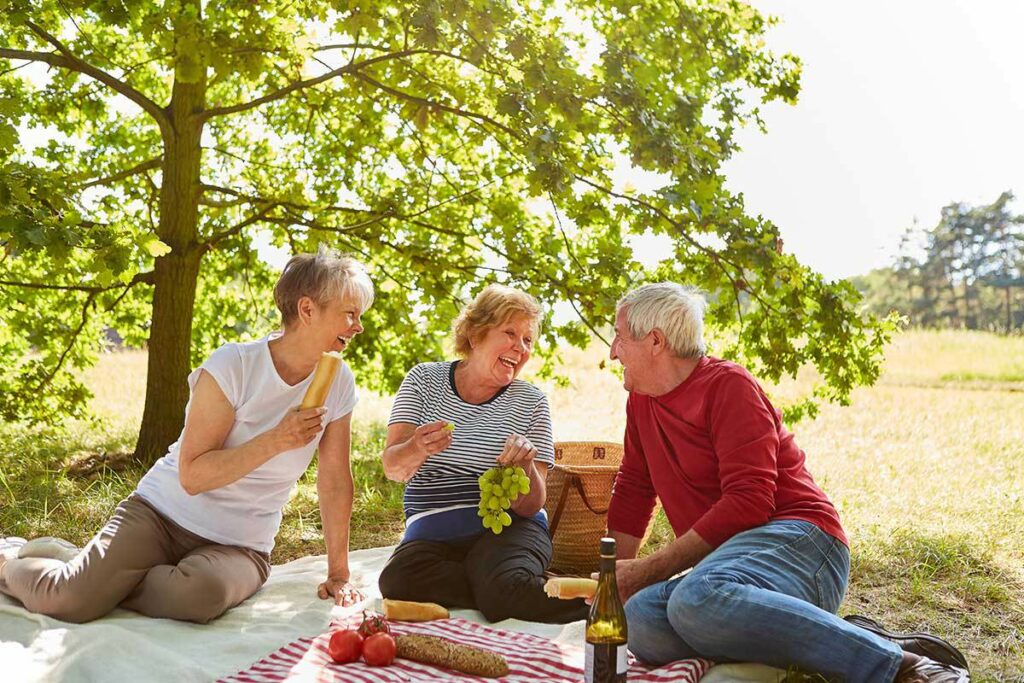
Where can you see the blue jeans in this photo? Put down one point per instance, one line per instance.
(767, 595)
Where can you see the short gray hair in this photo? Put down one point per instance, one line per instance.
(676, 310)
(323, 276)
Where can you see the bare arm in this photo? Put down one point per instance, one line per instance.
(679, 555)
(335, 490)
(626, 546)
(203, 462)
(408, 447)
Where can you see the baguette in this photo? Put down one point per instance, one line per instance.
(569, 587)
(450, 655)
(323, 377)
(405, 610)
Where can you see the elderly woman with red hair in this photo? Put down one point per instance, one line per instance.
(446, 556)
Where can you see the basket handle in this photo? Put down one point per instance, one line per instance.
(574, 479)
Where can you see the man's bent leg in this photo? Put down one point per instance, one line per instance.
(207, 582)
(651, 636)
(94, 582)
(760, 597)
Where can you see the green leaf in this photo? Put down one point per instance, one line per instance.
(156, 248)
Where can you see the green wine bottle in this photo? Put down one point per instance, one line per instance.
(606, 625)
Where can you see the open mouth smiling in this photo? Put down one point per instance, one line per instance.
(508, 362)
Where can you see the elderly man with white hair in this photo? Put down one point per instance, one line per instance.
(769, 558)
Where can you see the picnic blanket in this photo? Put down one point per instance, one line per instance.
(530, 659)
(125, 646)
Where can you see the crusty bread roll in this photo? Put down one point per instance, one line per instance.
(323, 377)
(405, 610)
(451, 655)
(569, 587)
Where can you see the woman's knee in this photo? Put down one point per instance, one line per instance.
(389, 582)
(198, 597)
(73, 607)
(499, 596)
(397, 580)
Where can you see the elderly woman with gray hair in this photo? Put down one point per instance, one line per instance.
(446, 555)
(194, 538)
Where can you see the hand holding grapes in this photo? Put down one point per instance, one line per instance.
(518, 452)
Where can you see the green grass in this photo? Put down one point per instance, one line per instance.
(981, 377)
(926, 468)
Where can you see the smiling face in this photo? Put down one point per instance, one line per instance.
(633, 354)
(336, 323)
(500, 353)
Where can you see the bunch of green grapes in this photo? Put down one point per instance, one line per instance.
(499, 488)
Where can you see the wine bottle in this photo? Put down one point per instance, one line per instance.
(606, 625)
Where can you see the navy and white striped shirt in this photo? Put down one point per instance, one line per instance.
(441, 498)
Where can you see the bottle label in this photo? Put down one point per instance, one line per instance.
(605, 663)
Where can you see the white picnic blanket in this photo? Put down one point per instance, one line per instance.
(125, 646)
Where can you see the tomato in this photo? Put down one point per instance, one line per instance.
(379, 649)
(345, 646)
(373, 623)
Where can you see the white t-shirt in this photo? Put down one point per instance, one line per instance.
(246, 512)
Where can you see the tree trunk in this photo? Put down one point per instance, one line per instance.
(169, 363)
(176, 276)
(1009, 315)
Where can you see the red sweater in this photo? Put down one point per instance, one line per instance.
(714, 451)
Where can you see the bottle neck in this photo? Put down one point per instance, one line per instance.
(607, 565)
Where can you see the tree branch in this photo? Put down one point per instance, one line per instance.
(430, 103)
(720, 261)
(237, 228)
(275, 95)
(145, 278)
(71, 343)
(68, 60)
(351, 68)
(121, 175)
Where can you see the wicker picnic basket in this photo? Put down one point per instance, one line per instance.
(579, 489)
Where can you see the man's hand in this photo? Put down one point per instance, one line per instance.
(343, 592)
(631, 576)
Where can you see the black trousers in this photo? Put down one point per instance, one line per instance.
(501, 575)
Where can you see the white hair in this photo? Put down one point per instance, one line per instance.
(676, 310)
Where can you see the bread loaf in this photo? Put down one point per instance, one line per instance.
(450, 655)
(569, 587)
(323, 377)
(405, 610)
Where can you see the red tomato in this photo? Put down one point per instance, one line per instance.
(345, 646)
(379, 649)
(373, 623)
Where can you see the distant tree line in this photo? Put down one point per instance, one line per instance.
(967, 272)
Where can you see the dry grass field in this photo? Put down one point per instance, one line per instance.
(926, 467)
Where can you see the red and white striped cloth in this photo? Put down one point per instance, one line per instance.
(531, 659)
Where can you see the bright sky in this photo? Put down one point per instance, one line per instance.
(905, 107)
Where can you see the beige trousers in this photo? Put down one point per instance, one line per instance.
(144, 562)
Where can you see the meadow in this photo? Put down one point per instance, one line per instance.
(926, 468)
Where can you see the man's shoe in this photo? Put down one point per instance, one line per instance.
(929, 671)
(923, 644)
(50, 548)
